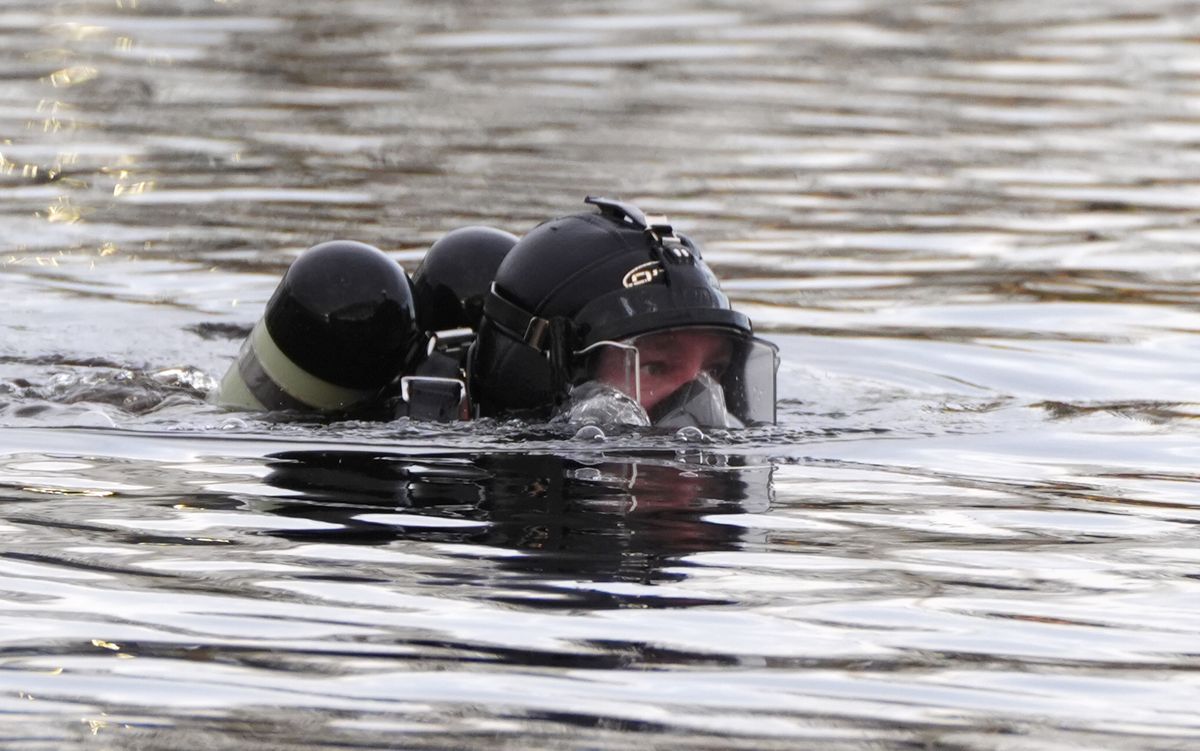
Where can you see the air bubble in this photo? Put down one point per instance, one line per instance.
(690, 434)
(94, 418)
(233, 423)
(590, 433)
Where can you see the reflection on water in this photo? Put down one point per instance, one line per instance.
(969, 225)
(595, 518)
(679, 594)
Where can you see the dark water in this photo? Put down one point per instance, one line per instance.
(970, 226)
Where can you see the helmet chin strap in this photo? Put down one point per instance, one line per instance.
(553, 337)
(518, 323)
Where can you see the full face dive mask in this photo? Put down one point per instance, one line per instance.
(688, 376)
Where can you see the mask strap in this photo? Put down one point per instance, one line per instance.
(559, 353)
(516, 321)
(551, 336)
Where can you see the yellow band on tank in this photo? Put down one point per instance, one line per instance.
(234, 393)
(298, 382)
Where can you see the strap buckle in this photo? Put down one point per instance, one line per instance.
(662, 235)
(535, 332)
(449, 339)
(433, 397)
(518, 322)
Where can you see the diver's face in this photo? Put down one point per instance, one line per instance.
(669, 360)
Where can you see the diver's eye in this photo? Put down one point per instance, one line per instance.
(717, 369)
(655, 368)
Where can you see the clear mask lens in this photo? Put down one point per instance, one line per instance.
(688, 376)
(698, 403)
(595, 403)
(605, 390)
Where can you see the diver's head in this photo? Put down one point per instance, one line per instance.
(617, 298)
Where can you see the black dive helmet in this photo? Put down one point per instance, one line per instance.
(580, 280)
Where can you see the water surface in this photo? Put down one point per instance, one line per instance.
(970, 226)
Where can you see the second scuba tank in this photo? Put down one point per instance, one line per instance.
(341, 326)
(455, 275)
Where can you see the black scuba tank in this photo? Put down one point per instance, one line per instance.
(449, 288)
(454, 277)
(340, 327)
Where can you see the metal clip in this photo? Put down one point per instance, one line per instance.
(449, 338)
(662, 234)
(437, 398)
(535, 332)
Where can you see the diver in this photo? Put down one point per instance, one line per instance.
(599, 317)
